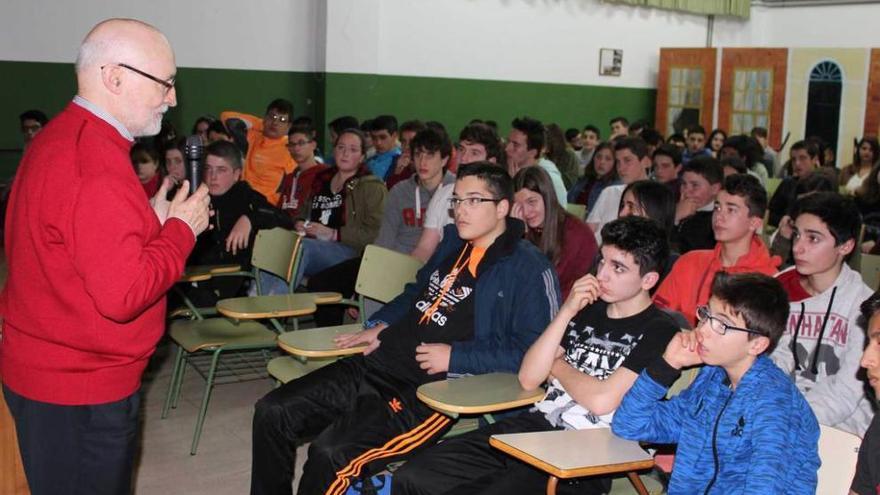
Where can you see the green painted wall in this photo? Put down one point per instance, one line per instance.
(49, 86)
(457, 101)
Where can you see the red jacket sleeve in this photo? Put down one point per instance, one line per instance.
(127, 261)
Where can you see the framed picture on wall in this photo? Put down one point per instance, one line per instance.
(610, 61)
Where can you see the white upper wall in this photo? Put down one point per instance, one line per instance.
(266, 34)
(839, 26)
(517, 40)
(555, 41)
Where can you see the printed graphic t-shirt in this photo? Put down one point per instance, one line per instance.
(442, 314)
(327, 207)
(598, 345)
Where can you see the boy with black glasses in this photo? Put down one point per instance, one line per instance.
(742, 426)
(476, 307)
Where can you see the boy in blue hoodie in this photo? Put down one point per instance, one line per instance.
(742, 426)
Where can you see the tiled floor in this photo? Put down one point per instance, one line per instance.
(222, 465)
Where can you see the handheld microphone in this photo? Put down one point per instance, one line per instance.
(193, 150)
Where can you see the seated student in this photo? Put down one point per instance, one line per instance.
(649, 199)
(749, 151)
(525, 143)
(217, 131)
(267, 158)
(804, 161)
(736, 223)
(715, 141)
(145, 159)
(652, 138)
(667, 168)
(565, 239)
(477, 142)
(822, 342)
(32, 122)
(403, 165)
(633, 162)
(742, 426)
(335, 128)
(780, 240)
(867, 478)
(701, 180)
(696, 144)
(619, 127)
(383, 137)
(732, 165)
(591, 353)
(402, 219)
(557, 151)
(175, 165)
(345, 210)
(296, 186)
(866, 156)
(239, 212)
(590, 138)
(768, 157)
(476, 307)
(599, 174)
(678, 141)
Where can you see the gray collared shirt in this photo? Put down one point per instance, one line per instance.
(103, 115)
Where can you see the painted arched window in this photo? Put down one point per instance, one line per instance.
(823, 102)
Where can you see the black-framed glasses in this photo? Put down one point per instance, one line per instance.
(280, 118)
(718, 325)
(470, 202)
(168, 85)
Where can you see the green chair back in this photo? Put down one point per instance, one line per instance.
(771, 184)
(684, 381)
(384, 273)
(274, 251)
(869, 267)
(577, 210)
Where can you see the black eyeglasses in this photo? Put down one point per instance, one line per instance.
(718, 325)
(470, 202)
(168, 85)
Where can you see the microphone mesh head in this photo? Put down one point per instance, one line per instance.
(193, 148)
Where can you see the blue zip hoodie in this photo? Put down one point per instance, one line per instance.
(765, 434)
(516, 296)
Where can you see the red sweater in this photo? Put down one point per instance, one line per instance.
(577, 254)
(690, 280)
(89, 266)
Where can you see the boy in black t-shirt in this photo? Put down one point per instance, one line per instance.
(477, 305)
(607, 331)
(867, 478)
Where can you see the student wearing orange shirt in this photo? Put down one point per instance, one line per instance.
(267, 157)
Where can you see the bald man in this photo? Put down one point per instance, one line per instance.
(90, 261)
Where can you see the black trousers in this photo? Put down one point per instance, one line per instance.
(340, 278)
(76, 449)
(467, 464)
(360, 419)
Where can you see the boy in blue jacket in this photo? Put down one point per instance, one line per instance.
(476, 307)
(742, 426)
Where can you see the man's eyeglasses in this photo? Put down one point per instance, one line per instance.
(279, 118)
(168, 85)
(293, 144)
(718, 325)
(470, 202)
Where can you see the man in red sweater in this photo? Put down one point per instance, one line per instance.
(90, 261)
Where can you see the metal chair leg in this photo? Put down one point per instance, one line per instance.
(173, 385)
(203, 410)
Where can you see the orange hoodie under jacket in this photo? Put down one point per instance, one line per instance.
(690, 280)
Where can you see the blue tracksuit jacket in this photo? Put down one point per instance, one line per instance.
(764, 434)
